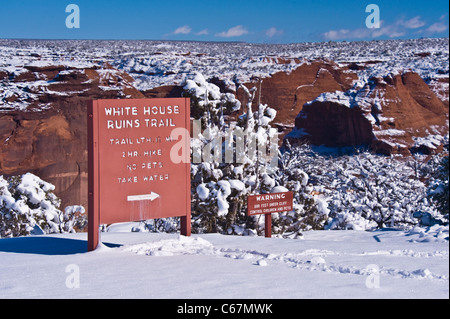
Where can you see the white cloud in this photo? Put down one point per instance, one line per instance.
(391, 30)
(413, 23)
(273, 32)
(203, 32)
(346, 34)
(336, 34)
(440, 26)
(437, 27)
(236, 31)
(397, 29)
(183, 30)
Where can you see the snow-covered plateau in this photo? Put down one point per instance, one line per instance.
(153, 64)
(323, 264)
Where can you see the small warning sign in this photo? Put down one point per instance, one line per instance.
(270, 203)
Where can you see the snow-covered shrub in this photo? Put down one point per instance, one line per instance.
(29, 206)
(366, 191)
(74, 219)
(157, 225)
(12, 221)
(310, 211)
(438, 191)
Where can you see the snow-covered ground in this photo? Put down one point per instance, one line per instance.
(324, 264)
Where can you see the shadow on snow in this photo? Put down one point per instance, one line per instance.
(45, 245)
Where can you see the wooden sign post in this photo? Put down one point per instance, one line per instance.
(139, 162)
(267, 204)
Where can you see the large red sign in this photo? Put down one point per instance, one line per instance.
(136, 171)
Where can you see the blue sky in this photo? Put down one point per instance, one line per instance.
(282, 21)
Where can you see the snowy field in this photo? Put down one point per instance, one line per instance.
(323, 264)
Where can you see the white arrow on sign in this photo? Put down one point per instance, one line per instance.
(152, 196)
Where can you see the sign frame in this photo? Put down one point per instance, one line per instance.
(101, 147)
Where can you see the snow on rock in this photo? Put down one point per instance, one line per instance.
(368, 114)
(338, 97)
(429, 141)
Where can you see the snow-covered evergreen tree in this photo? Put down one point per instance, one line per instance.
(221, 183)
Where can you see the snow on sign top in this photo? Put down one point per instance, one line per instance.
(132, 172)
(270, 203)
